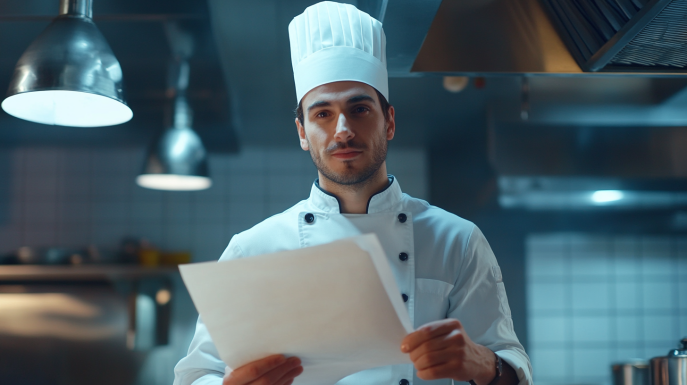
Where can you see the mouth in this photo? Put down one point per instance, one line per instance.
(346, 154)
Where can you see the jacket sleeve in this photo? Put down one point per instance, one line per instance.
(478, 300)
(202, 365)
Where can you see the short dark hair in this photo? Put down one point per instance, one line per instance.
(382, 101)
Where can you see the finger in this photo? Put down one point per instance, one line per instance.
(295, 372)
(254, 370)
(290, 376)
(454, 338)
(277, 374)
(284, 381)
(289, 382)
(438, 343)
(427, 332)
(433, 359)
(435, 372)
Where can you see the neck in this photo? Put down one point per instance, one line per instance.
(354, 198)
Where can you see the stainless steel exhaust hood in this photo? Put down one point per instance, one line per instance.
(481, 37)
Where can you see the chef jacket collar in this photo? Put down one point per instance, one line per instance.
(387, 199)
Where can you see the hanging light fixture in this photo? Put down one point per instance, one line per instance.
(177, 160)
(69, 76)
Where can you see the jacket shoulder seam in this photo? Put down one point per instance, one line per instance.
(238, 247)
(464, 253)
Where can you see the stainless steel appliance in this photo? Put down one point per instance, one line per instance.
(81, 325)
(670, 369)
(635, 372)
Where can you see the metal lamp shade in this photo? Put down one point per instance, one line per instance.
(178, 161)
(69, 77)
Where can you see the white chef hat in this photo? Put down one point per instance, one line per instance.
(333, 42)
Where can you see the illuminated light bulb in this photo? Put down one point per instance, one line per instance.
(163, 297)
(455, 84)
(606, 196)
(174, 182)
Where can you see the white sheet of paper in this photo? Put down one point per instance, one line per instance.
(335, 306)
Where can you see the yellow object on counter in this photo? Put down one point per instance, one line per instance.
(175, 258)
(149, 257)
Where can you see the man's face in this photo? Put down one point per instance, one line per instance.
(345, 131)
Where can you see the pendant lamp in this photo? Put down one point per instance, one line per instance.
(177, 160)
(69, 76)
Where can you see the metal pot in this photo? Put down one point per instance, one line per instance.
(671, 369)
(631, 373)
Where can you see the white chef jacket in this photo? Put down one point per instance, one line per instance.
(442, 263)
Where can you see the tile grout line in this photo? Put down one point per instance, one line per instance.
(675, 304)
(640, 297)
(613, 316)
(570, 367)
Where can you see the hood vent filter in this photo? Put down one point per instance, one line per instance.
(624, 35)
(661, 43)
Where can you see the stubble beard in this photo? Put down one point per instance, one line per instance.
(351, 178)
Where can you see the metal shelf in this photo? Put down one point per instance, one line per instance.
(10, 273)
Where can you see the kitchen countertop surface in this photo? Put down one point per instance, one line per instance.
(82, 273)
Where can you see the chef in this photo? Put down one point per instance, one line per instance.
(448, 276)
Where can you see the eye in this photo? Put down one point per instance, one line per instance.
(361, 109)
(322, 114)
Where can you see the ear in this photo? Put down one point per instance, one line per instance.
(301, 135)
(391, 124)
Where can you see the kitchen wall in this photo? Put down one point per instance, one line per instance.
(73, 197)
(76, 197)
(593, 300)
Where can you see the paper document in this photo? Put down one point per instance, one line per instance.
(335, 306)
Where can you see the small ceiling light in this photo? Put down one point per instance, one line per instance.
(456, 84)
(69, 76)
(163, 297)
(607, 196)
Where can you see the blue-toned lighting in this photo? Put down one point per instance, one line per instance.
(607, 196)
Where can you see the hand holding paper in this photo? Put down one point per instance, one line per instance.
(271, 370)
(335, 306)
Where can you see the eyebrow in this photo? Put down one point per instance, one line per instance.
(360, 98)
(354, 99)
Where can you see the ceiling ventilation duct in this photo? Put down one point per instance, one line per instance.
(623, 35)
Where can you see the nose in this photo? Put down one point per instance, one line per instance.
(343, 131)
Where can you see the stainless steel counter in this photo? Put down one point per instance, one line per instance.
(81, 324)
(13, 273)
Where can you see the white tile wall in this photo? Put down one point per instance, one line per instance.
(552, 363)
(548, 330)
(77, 197)
(547, 296)
(593, 300)
(627, 329)
(590, 296)
(591, 329)
(590, 364)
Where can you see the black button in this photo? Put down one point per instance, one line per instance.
(402, 217)
(403, 257)
(309, 218)
(405, 297)
(404, 382)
